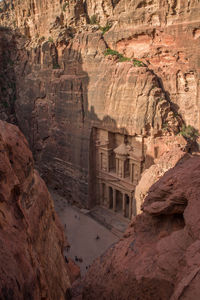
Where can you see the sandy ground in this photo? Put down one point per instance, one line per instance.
(82, 231)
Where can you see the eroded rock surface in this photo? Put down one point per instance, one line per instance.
(31, 238)
(172, 149)
(7, 76)
(65, 86)
(158, 258)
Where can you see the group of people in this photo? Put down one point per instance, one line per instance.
(77, 259)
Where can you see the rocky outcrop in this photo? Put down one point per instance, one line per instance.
(172, 149)
(158, 258)
(66, 86)
(31, 260)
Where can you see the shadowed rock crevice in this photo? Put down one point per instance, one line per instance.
(8, 93)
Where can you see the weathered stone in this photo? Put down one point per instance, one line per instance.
(32, 240)
(159, 256)
(67, 85)
(170, 152)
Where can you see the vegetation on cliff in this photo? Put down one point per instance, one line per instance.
(189, 132)
(121, 58)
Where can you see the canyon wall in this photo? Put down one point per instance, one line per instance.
(66, 86)
(158, 258)
(7, 76)
(32, 265)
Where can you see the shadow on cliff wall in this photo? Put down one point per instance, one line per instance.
(174, 106)
(73, 143)
(7, 75)
(56, 97)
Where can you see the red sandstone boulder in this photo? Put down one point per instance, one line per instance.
(158, 258)
(31, 238)
(171, 150)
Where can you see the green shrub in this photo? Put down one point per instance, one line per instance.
(65, 5)
(50, 39)
(93, 20)
(42, 39)
(138, 63)
(105, 28)
(122, 58)
(189, 132)
(112, 52)
(160, 100)
(119, 56)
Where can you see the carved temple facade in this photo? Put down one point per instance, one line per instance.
(119, 162)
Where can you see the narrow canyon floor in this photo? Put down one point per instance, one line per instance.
(87, 237)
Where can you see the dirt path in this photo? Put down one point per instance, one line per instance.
(82, 231)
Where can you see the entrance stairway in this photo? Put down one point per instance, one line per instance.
(111, 220)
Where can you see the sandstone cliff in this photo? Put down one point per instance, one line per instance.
(158, 258)
(66, 86)
(58, 83)
(172, 150)
(31, 238)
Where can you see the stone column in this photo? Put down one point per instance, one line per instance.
(120, 168)
(131, 172)
(100, 160)
(124, 204)
(114, 199)
(108, 169)
(123, 168)
(117, 165)
(130, 206)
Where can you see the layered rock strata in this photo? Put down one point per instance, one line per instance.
(65, 86)
(31, 260)
(158, 258)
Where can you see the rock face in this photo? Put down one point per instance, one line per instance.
(173, 149)
(158, 258)
(31, 238)
(7, 76)
(66, 86)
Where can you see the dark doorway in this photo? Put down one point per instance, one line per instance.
(110, 198)
(118, 201)
(127, 199)
(103, 193)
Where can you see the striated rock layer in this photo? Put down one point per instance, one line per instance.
(31, 260)
(158, 258)
(173, 149)
(65, 86)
